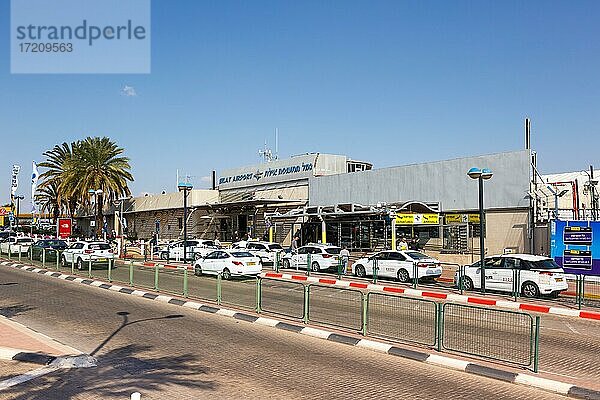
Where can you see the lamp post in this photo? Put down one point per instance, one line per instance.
(591, 184)
(18, 199)
(481, 175)
(184, 187)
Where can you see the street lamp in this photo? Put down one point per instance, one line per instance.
(481, 175)
(591, 184)
(119, 203)
(96, 193)
(184, 187)
(18, 199)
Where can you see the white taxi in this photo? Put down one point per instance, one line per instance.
(266, 251)
(82, 253)
(14, 245)
(322, 257)
(399, 264)
(538, 275)
(228, 263)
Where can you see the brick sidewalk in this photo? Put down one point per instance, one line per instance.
(18, 337)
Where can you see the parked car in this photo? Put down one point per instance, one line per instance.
(49, 246)
(266, 251)
(14, 245)
(538, 275)
(81, 253)
(322, 257)
(399, 264)
(6, 234)
(228, 263)
(196, 249)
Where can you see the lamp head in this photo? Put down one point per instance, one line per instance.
(474, 173)
(486, 173)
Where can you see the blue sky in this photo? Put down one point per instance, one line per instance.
(392, 82)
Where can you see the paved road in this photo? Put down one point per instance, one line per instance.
(166, 351)
(568, 346)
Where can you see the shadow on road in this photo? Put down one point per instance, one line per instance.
(120, 372)
(14, 310)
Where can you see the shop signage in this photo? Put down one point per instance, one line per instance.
(65, 227)
(417, 219)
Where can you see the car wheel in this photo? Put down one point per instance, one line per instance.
(403, 276)
(530, 290)
(79, 264)
(467, 283)
(197, 270)
(360, 271)
(286, 264)
(226, 274)
(314, 267)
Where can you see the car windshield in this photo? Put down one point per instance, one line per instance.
(275, 247)
(545, 264)
(57, 243)
(241, 254)
(333, 250)
(100, 246)
(415, 255)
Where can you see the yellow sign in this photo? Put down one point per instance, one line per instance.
(1, 220)
(462, 218)
(417, 219)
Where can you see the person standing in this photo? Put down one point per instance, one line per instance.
(294, 246)
(403, 245)
(345, 258)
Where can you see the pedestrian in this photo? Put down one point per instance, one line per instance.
(217, 241)
(294, 246)
(403, 245)
(414, 244)
(345, 258)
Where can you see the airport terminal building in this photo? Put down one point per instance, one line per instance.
(335, 199)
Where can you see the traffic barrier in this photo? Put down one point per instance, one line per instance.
(590, 291)
(335, 306)
(403, 319)
(502, 335)
(240, 292)
(282, 298)
(203, 287)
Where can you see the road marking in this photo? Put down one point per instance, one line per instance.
(541, 383)
(17, 380)
(571, 328)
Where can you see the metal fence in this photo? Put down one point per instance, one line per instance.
(489, 333)
(242, 292)
(335, 306)
(401, 318)
(282, 297)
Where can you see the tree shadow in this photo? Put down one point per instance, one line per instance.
(120, 372)
(14, 310)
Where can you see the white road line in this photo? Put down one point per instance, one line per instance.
(571, 328)
(17, 380)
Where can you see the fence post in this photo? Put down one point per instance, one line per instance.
(415, 274)
(375, 270)
(277, 262)
(44, 257)
(90, 267)
(110, 269)
(582, 291)
(461, 278)
(536, 344)
(306, 294)
(73, 265)
(258, 293)
(9, 250)
(20, 249)
(219, 288)
(365, 312)
(30, 254)
(57, 260)
(185, 281)
(308, 265)
(156, 277)
(439, 325)
(130, 272)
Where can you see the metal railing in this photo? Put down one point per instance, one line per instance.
(284, 298)
(347, 305)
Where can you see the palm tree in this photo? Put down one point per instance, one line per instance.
(56, 160)
(96, 164)
(48, 198)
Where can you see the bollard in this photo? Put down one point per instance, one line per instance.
(90, 267)
(136, 396)
(156, 277)
(130, 272)
(185, 282)
(44, 257)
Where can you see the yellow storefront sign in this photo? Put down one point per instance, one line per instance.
(417, 219)
(462, 218)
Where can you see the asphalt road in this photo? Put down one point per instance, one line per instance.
(166, 351)
(568, 346)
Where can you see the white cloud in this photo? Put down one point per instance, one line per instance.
(128, 91)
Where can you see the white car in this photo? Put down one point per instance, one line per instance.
(15, 244)
(266, 251)
(81, 253)
(322, 257)
(538, 275)
(399, 264)
(196, 249)
(228, 263)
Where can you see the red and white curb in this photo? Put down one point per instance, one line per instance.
(562, 388)
(456, 298)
